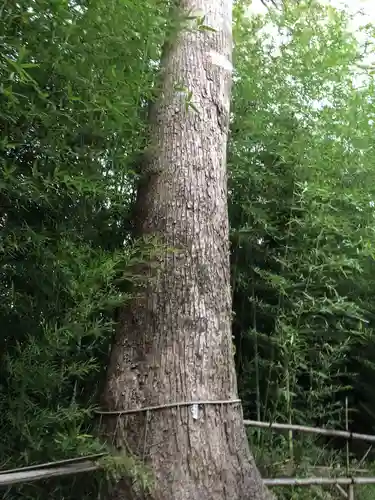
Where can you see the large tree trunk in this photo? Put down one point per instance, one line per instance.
(174, 342)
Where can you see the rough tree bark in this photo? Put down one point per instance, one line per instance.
(174, 341)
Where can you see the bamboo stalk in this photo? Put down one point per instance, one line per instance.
(256, 358)
(341, 490)
(56, 463)
(320, 481)
(9, 478)
(328, 469)
(313, 430)
(284, 468)
(350, 487)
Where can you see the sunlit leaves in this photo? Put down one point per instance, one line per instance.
(302, 185)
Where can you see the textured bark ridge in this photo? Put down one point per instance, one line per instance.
(174, 342)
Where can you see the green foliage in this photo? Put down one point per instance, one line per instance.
(116, 467)
(367, 491)
(76, 78)
(301, 210)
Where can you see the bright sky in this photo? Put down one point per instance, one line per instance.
(362, 10)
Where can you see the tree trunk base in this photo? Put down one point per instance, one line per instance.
(201, 456)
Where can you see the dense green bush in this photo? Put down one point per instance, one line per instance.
(75, 79)
(302, 172)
